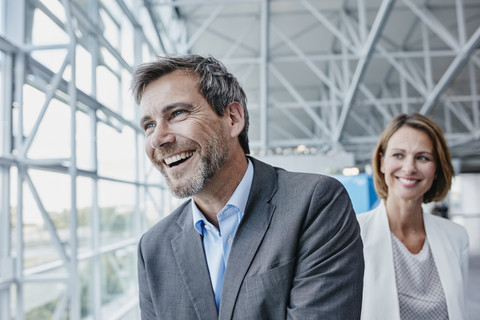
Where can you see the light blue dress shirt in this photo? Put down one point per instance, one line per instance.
(217, 244)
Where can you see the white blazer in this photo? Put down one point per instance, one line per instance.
(448, 242)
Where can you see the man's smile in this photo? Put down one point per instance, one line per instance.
(178, 158)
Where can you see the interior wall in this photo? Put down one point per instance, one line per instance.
(322, 164)
(465, 207)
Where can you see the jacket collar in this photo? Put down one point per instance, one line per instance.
(250, 233)
(189, 254)
(188, 251)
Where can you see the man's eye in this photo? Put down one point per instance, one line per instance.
(177, 113)
(148, 126)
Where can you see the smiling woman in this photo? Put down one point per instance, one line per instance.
(409, 253)
(408, 165)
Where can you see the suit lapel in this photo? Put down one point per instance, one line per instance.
(190, 257)
(250, 233)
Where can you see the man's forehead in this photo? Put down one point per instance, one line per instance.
(179, 79)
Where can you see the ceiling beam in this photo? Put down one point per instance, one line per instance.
(330, 27)
(453, 69)
(319, 73)
(155, 22)
(433, 23)
(297, 96)
(367, 50)
(204, 27)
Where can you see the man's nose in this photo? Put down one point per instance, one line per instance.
(161, 135)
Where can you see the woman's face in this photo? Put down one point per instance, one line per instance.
(409, 164)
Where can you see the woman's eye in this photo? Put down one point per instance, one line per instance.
(397, 155)
(423, 158)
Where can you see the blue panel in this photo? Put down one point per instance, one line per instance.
(361, 191)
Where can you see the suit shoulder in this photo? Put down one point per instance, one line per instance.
(313, 179)
(296, 180)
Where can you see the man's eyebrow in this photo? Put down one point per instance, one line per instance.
(176, 105)
(144, 119)
(167, 109)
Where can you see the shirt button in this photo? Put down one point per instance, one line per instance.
(207, 227)
(230, 240)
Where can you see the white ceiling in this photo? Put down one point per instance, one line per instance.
(330, 74)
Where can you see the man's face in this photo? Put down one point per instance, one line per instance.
(185, 139)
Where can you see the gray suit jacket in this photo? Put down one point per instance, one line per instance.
(297, 254)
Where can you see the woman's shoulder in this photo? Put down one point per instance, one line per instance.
(365, 217)
(451, 229)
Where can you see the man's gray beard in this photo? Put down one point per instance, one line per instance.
(210, 163)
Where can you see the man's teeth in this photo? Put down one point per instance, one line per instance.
(407, 181)
(178, 157)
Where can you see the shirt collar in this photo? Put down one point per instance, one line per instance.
(238, 199)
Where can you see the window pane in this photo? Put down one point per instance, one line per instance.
(84, 70)
(110, 29)
(127, 41)
(13, 208)
(84, 142)
(130, 110)
(52, 139)
(41, 299)
(158, 204)
(119, 282)
(33, 100)
(53, 190)
(46, 31)
(117, 211)
(2, 113)
(84, 214)
(87, 287)
(13, 301)
(107, 88)
(116, 152)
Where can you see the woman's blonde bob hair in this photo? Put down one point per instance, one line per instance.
(445, 172)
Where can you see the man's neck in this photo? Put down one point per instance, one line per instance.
(216, 193)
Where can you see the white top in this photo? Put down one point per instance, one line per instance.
(420, 292)
(448, 243)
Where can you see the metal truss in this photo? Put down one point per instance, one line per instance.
(331, 74)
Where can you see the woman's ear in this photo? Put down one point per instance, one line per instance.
(236, 118)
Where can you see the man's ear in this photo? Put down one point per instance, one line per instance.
(236, 118)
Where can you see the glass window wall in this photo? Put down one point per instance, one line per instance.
(76, 188)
